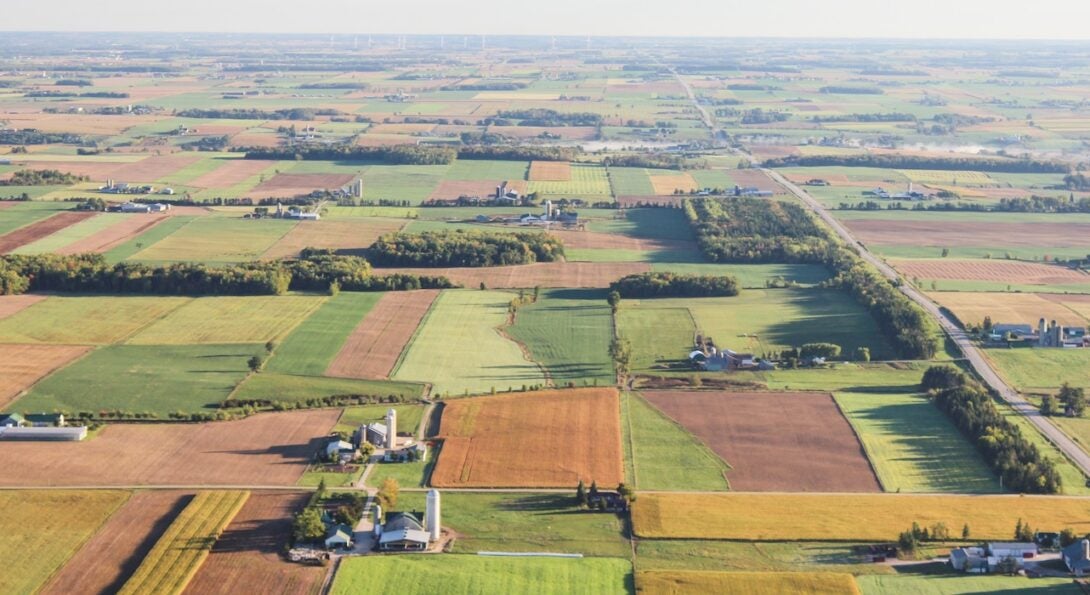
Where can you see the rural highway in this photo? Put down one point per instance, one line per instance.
(972, 353)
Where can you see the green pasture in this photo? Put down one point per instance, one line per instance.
(630, 181)
(485, 169)
(287, 388)
(96, 320)
(664, 456)
(568, 331)
(155, 234)
(649, 223)
(586, 180)
(24, 213)
(658, 335)
(309, 349)
(1031, 369)
(71, 234)
(217, 240)
(706, 554)
(941, 581)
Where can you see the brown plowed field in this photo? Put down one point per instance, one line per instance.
(1001, 271)
(7, 204)
(549, 171)
(266, 449)
(662, 199)
(39, 229)
(374, 346)
(351, 234)
(962, 233)
(154, 168)
(128, 226)
(668, 183)
(13, 304)
(549, 438)
(775, 442)
(542, 274)
(1010, 308)
(608, 241)
(23, 365)
(234, 171)
(755, 178)
(113, 553)
(246, 557)
(294, 184)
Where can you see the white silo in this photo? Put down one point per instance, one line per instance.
(431, 515)
(376, 517)
(391, 428)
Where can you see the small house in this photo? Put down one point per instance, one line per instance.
(969, 559)
(339, 536)
(1077, 558)
(12, 420)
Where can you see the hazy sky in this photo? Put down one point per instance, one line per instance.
(990, 19)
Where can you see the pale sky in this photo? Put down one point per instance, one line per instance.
(949, 19)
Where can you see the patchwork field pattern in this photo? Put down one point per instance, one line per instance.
(539, 439)
(288, 185)
(549, 171)
(208, 320)
(342, 234)
(231, 172)
(671, 582)
(1010, 308)
(540, 274)
(891, 232)
(40, 229)
(313, 344)
(13, 304)
(23, 365)
(1002, 271)
(586, 180)
(669, 184)
(774, 441)
(374, 347)
(85, 320)
(124, 229)
(217, 239)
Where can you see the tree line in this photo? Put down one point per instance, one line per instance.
(543, 117)
(1031, 166)
(1011, 455)
(297, 113)
(464, 249)
(652, 285)
(42, 177)
(395, 155)
(30, 136)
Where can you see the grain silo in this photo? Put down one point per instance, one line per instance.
(432, 515)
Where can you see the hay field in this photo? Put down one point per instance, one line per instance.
(539, 274)
(1010, 308)
(250, 319)
(586, 180)
(680, 582)
(857, 517)
(23, 365)
(952, 178)
(459, 348)
(341, 234)
(71, 234)
(373, 348)
(549, 171)
(13, 304)
(663, 455)
(568, 332)
(538, 439)
(217, 240)
(668, 184)
(85, 320)
(38, 230)
(174, 560)
(998, 236)
(314, 343)
(1000, 271)
(43, 529)
(121, 229)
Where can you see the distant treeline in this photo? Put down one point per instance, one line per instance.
(316, 270)
(1078, 181)
(652, 285)
(30, 136)
(464, 249)
(652, 160)
(486, 86)
(395, 154)
(42, 177)
(1014, 458)
(750, 230)
(298, 113)
(73, 83)
(888, 117)
(519, 153)
(64, 94)
(891, 72)
(751, 87)
(333, 86)
(1023, 166)
(849, 90)
(543, 117)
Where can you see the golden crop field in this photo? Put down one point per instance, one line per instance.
(667, 184)
(679, 582)
(85, 320)
(877, 517)
(949, 178)
(1010, 308)
(250, 319)
(179, 553)
(586, 179)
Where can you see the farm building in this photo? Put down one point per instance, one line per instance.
(725, 360)
(66, 434)
(339, 536)
(751, 191)
(969, 559)
(12, 420)
(403, 532)
(340, 450)
(1077, 557)
(1018, 331)
(988, 557)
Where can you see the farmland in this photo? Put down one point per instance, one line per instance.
(216, 240)
(23, 365)
(539, 274)
(44, 529)
(1017, 308)
(744, 583)
(343, 234)
(29, 234)
(485, 440)
(877, 517)
(585, 180)
(374, 347)
(229, 320)
(996, 271)
(85, 320)
(568, 332)
(464, 574)
(171, 564)
(312, 345)
(664, 456)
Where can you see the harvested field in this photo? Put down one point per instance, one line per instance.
(452, 189)
(126, 228)
(107, 560)
(541, 274)
(792, 442)
(343, 234)
(609, 241)
(679, 582)
(836, 517)
(549, 438)
(755, 178)
(372, 350)
(247, 556)
(23, 365)
(41, 229)
(99, 320)
(631, 201)
(1014, 308)
(294, 184)
(234, 171)
(229, 319)
(549, 171)
(80, 123)
(667, 184)
(1002, 271)
(969, 233)
(13, 304)
(152, 169)
(266, 449)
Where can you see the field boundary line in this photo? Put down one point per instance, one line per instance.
(148, 247)
(523, 349)
(416, 334)
(703, 445)
(91, 349)
(862, 445)
(185, 301)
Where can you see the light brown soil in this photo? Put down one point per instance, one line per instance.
(792, 442)
(295, 184)
(234, 171)
(549, 171)
(962, 233)
(1010, 308)
(755, 178)
(153, 168)
(343, 234)
(452, 189)
(542, 274)
(246, 557)
(550, 438)
(113, 553)
(23, 365)
(266, 449)
(1003, 271)
(668, 183)
(373, 348)
(40, 229)
(13, 304)
(128, 226)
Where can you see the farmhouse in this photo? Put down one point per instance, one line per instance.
(1077, 557)
(751, 191)
(339, 536)
(987, 558)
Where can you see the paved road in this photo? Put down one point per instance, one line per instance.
(972, 353)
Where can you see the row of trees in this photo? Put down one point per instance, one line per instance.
(651, 285)
(464, 249)
(30, 136)
(396, 154)
(1013, 457)
(891, 161)
(42, 177)
(544, 117)
(1069, 401)
(298, 113)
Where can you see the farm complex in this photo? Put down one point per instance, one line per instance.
(507, 314)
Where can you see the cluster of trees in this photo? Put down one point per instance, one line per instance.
(909, 541)
(339, 85)
(891, 161)
(591, 499)
(652, 160)
(650, 285)
(543, 117)
(42, 177)
(486, 86)
(311, 403)
(30, 136)
(1017, 461)
(880, 117)
(63, 94)
(207, 143)
(464, 249)
(851, 90)
(1069, 401)
(395, 155)
(1077, 181)
(519, 153)
(297, 113)
(73, 83)
(760, 116)
(307, 525)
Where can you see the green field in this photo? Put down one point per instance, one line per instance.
(70, 234)
(684, 554)
(662, 455)
(658, 335)
(586, 180)
(298, 389)
(459, 349)
(751, 276)
(401, 182)
(1042, 370)
(652, 224)
(24, 213)
(630, 181)
(43, 529)
(251, 319)
(454, 575)
(408, 417)
(315, 342)
(944, 582)
(217, 240)
(85, 320)
(913, 446)
(159, 379)
(568, 331)
(155, 234)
